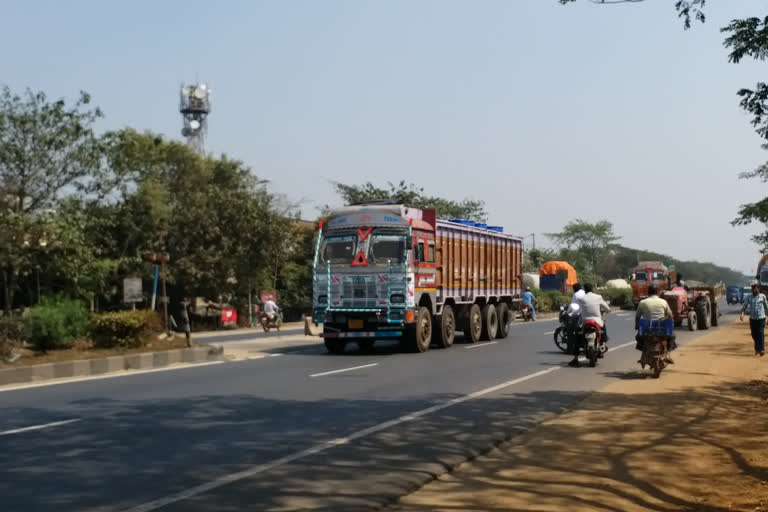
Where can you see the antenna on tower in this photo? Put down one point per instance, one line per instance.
(194, 106)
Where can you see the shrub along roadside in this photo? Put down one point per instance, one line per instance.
(617, 296)
(55, 323)
(124, 329)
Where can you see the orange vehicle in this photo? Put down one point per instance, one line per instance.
(645, 273)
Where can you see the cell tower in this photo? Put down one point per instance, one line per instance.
(195, 105)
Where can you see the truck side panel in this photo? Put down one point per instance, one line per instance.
(474, 263)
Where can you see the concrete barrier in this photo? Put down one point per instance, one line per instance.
(87, 367)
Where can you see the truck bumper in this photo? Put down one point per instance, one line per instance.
(363, 334)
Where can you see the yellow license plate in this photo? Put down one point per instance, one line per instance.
(355, 324)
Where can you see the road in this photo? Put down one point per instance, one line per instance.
(299, 431)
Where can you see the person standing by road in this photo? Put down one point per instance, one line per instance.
(757, 305)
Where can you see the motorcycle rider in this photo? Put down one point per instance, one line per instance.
(653, 308)
(271, 309)
(592, 309)
(528, 300)
(578, 295)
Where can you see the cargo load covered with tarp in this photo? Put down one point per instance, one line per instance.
(557, 275)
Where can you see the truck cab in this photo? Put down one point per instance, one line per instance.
(646, 273)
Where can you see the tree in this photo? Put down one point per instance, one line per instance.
(589, 239)
(412, 195)
(47, 149)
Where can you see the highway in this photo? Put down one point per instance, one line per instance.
(301, 430)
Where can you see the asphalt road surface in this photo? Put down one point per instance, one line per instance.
(302, 430)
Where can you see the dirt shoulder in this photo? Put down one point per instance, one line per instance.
(696, 439)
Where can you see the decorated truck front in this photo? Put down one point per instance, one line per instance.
(647, 273)
(364, 279)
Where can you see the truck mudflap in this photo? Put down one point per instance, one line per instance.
(367, 334)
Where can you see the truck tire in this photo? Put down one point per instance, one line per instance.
(490, 322)
(446, 334)
(703, 313)
(366, 346)
(715, 315)
(505, 319)
(418, 336)
(693, 323)
(473, 326)
(335, 346)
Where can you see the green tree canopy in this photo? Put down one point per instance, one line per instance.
(587, 238)
(412, 195)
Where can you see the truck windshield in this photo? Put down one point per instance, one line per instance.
(641, 276)
(658, 276)
(338, 250)
(386, 248)
(764, 276)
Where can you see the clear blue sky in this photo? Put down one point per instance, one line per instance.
(546, 112)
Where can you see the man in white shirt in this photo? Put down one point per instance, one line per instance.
(271, 309)
(592, 308)
(578, 295)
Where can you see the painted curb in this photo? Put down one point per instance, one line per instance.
(87, 367)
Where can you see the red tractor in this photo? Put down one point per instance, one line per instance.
(697, 305)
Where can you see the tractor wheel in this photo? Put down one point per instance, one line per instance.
(703, 313)
(445, 335)
(505, 319)
(473, 326)
(490, 322)
(693, 323)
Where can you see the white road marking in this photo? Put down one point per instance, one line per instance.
(617, 347)
(622, 314)
(261, 468)
(38, 427)
(550, 332)
(344, 370)
(482, 344)
(275, 355)
(124, 373)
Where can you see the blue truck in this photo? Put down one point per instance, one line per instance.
(734, 294)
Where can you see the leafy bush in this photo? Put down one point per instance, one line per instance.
(123, 328)
(617, 296)
(55, 323)
(550, 300)
(11, 333)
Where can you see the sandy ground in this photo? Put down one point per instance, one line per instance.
(695, 439)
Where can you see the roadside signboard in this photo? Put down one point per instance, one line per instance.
(132, 291)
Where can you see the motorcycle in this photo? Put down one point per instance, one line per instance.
(593, 349)
(569, 322)
(526, 313)
(656, 338)
(274, 323)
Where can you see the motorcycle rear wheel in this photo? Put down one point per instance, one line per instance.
(656, 368)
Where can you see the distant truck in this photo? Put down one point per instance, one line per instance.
(762, 274)
(646, 273)
(389, 271)
(734, 294)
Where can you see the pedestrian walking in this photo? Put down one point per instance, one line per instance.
(757, 305)
(185, 322)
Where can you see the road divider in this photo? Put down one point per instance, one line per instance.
(482, 344)
(38, 427)
(344, 370)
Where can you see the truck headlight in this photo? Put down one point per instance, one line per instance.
(397, 298)
(322, 299)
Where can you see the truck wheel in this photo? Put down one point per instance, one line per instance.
(692, 321)
(504, 315)
(715, 315)
(490, 322)
(447, 333)
(418, 336)
(473, 327)
(366, 346)
(335, 346)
